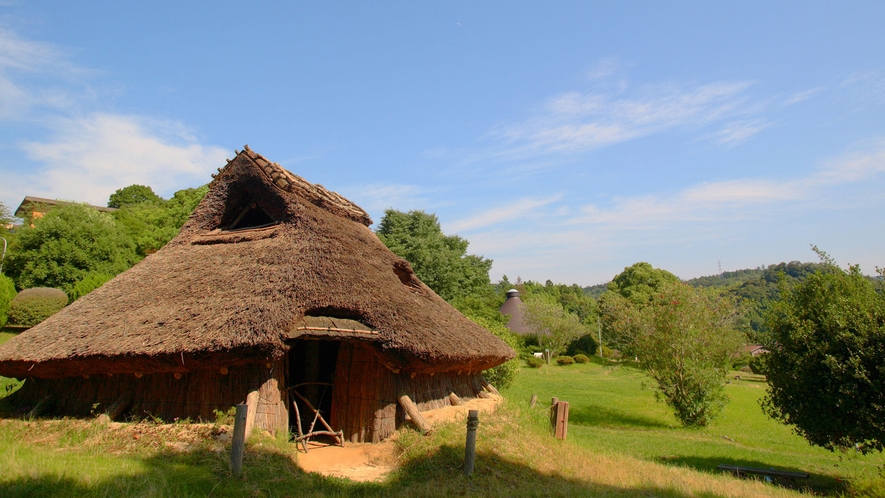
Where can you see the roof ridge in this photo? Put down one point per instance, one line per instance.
(287, 181)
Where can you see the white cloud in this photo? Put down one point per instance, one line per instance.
(88, 158)
(803, 96)
(377, 197)
(513, 211)
(576, 122)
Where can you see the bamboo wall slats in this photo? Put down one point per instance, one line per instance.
(195, 395)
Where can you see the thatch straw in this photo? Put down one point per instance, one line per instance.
(214, 297)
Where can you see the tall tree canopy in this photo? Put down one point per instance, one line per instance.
(133, 194)
(639, 282)
(826, 365)
(151, 224)
(440, 261)
(64, 246)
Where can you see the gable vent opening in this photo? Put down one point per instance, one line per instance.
(251, 216)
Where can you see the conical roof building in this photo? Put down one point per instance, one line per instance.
(273, 283)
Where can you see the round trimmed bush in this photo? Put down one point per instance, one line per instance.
(534, 362)
(32, 306)
(581, 358)
(565, 360)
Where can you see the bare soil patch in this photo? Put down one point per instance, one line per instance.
(372, 462)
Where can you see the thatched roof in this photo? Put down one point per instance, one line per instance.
(221, 296)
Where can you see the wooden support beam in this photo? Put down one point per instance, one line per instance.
(490, 388)
(412, 410)
(252, 410)
(455, 400)
(120, 406)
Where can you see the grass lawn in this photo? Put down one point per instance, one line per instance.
(612, 410)
(621, 444)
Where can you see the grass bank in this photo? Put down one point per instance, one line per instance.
(612, 410)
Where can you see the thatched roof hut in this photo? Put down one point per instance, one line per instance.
(276, 278)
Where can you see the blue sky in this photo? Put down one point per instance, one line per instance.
(564, 140)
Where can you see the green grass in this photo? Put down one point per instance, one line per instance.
(612, 409)
(621, 443)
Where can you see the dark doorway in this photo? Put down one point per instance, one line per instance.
(312, 375)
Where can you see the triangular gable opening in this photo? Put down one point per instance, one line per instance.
(251, 216)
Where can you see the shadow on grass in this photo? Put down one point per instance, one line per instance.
(600, 416)
(269, 473)
(818, 483)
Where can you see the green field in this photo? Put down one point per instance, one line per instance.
(612, 409)
(621, 443)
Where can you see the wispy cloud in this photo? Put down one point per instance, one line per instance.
(803, 95)
(88, 158)
(377, 197)
(501, 214)
(576, 122)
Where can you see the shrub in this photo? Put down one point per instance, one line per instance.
(741, 361)
(7, 293)
(32, 306)
(534, 362)
(90, 282)
(564, 360)
(501, 376)
(581, 358)
(757, 364)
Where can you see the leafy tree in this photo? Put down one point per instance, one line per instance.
(440, 261)
(152, 224)
(7, 293)
(133, 194)
(826, 360)
(5, 219)
(65, 245)
(554, 327)
(503, 375)
(634, 287)
(685, 342)
(639, 282)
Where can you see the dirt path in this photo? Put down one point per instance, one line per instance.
(372, 462)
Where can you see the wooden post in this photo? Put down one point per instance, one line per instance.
(533, 401)
(412, 409)
(252, 410)
(120, 406)
(561, 427)
(552, 413)
(470, 447)
(455, 400)
(238, 446)
(490, 388)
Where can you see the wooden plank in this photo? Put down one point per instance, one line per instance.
(414, 414)
(561, 420)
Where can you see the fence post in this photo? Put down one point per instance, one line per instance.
(238, 446)
(470, 447)
(561, 420)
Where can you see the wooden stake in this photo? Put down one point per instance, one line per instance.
(252, 405)
(239, 440)
(455, 400)
(412, 409)
(533, 401)
(470, 447)
(553, 412)
(561, 427)
(490, 388)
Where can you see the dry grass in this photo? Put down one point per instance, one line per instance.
(516, 457)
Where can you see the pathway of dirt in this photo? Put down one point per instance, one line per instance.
(372, 462)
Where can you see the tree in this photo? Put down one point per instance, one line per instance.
(826, 360)
(133, 194)
(685, 342)
(634, 287)
(639, 282)
(440, 261)
(554, 327)
(683, 337)
(7, 293)
(152, 224)
(65, 245)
